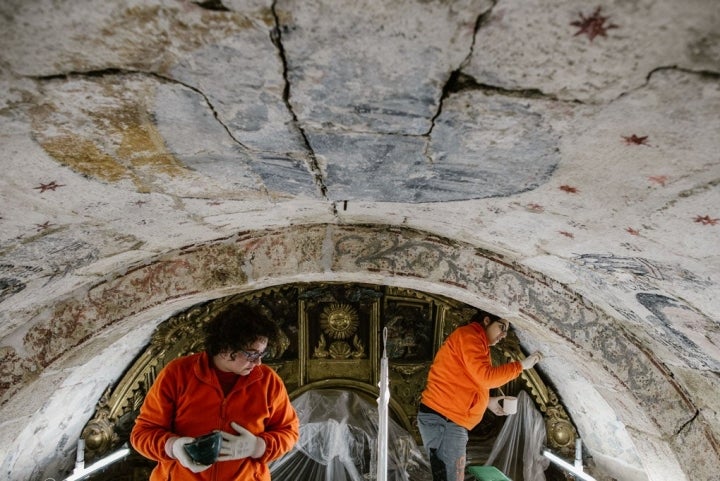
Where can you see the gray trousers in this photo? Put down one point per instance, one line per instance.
(446, 445)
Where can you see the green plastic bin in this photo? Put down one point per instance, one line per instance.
(487, 473)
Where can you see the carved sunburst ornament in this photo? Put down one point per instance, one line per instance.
(339, 321)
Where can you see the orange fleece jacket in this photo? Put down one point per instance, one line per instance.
(462, 375)
(186, 400)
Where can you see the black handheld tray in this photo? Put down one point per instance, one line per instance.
(205, 449)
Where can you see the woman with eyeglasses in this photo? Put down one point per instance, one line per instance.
(224, 392)
(457, 392)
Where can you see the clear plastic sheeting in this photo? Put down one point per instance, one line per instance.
(517, 451)
(338, 442)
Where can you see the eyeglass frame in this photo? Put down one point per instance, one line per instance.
(504, 326)
(254, 356)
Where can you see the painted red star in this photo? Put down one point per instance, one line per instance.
(569, 189)
(659, 179)
(593, 25)
(41, 227)
(632, 231)
(51, 186)
(635, 140)
(706, 220)
(567, 234)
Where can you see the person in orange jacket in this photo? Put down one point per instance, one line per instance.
(223, 389)
(457, 392)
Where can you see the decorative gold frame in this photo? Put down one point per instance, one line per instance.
(293, 357)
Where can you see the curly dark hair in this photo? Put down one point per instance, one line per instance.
(236, 328)
(480, 316)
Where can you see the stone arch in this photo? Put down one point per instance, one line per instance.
(636, 388)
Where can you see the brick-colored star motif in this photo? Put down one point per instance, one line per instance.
(567, 234)
(706, 220)
(51, 186)
(635, 140)
(533, 207)
(632, 231)
(593, 25)
(569, 189)
(659, 179)
(44, 226)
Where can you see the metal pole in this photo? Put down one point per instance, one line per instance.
(383, 402)
(567, 466)
(80, 456)
(107, 460)
(578, 454)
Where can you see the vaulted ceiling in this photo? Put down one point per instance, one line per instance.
(555, 162)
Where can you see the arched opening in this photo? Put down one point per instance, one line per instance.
(625, 406)
(329, 342)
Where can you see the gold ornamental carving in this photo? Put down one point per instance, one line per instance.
(561, 433)
(339, 322)
(99, 434)
(407, 370)
(338, 339)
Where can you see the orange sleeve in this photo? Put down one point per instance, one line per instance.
(478, 365)
(282, 429)
(153, 426)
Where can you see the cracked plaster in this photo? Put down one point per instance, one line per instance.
(158, 153)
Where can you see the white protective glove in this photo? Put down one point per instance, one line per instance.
(175, 448)
(531, 360)
(494, 406)
(241, 446)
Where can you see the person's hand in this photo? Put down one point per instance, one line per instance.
(531, 360)
(494, 406)
(240, 446)
(175, 448)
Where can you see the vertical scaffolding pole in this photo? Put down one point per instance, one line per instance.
(383, 402)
